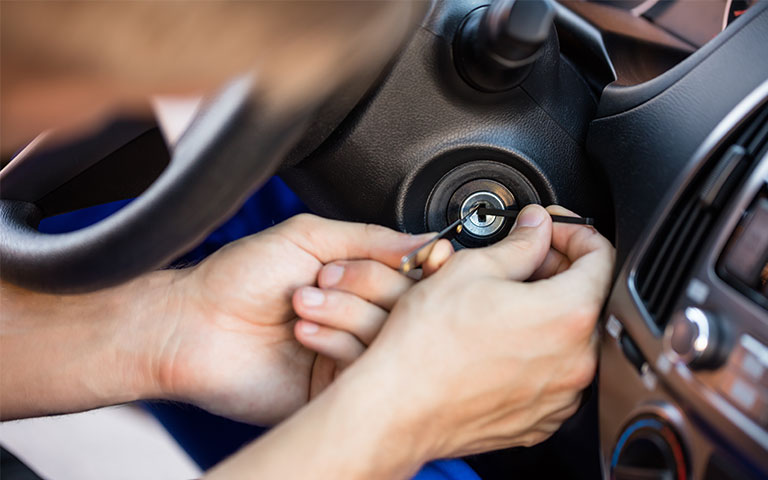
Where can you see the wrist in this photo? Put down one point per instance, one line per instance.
(373, 395)
(147, 330)
(355, 429)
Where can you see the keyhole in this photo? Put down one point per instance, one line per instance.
(482, 218)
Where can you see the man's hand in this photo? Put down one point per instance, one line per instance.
(493, 350)
(348, 308)
(360, 294)
(230, 346)
(493, 360)
(548, 353)
(219, 335)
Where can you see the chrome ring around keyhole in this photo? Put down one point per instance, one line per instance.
(477, 225)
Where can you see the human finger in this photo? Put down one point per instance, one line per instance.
(591, 259)
(340, 311)
(440, 253)
(566, 239)
(573, 240)
(329, 240)
(336, 344)
(367, 279)
(522, 252)
(554, 263)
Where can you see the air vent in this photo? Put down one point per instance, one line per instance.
(666, 263)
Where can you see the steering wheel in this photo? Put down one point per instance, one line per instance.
(213, 168)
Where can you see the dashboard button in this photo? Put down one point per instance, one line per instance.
(694, 335)
(749, 397)
(745, 380)
(631, 351)
(750, 360)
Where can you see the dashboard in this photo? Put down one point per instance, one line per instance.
(692, 21)
(682, 132)
(645, 38)
(687, 324)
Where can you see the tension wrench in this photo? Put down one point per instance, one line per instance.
(512, 213)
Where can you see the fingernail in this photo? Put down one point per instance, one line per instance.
(531, 217)
(312, 297)
(308, 327)
(332, 274)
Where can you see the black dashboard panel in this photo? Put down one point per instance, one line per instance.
(424, 120)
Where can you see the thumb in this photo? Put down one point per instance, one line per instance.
(526, 246)
(440, 254)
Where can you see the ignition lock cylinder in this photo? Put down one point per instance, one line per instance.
(481, 229)
(481, 184)
(482, 225)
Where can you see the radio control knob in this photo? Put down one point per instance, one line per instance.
(695, 335)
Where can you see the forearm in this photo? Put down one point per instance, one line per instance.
(67, 353)
(354, 429)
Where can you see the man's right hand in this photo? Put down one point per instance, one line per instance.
(487, 357)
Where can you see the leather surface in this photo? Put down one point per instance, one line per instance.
(423, 119)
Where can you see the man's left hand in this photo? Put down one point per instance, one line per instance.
(228, 343)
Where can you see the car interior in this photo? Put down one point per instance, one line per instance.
(650, 116)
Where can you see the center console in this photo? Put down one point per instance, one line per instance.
(684, 355)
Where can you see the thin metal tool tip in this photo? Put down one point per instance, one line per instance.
(420, 255)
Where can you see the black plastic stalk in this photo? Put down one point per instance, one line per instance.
(496, 45)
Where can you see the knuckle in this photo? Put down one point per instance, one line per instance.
(373, 230)
(354, 272)
(370, 269)
(528, 440)
(345, 307)
(533, 438)
(545, 435)
(301, 226)
(520, 245)
(364, 275)
(572, 409)
(302, 220)
(582, 373)
(583, 318)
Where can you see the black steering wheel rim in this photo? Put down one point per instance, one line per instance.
(213, 169)
(238, 140)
